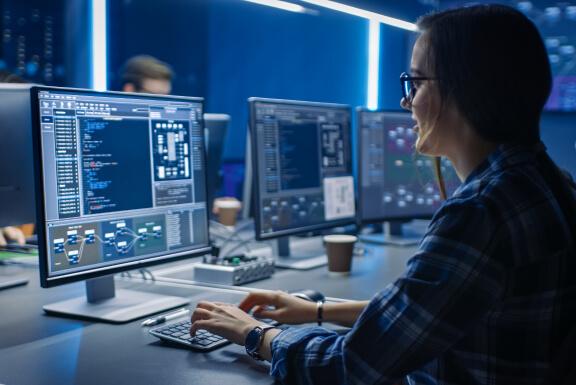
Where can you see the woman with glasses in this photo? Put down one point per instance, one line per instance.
(490, 295)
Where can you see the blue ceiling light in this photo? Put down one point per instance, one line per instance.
(363, 13)
(99, 79)
(285, 5)
(374, 21)
(373, 96)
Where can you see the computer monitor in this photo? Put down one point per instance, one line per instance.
(121, 185)
(396, 184)
(558, 132)
(302, 170)
(16, 166)
(215, 128)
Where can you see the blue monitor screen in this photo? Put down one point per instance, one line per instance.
(395, 181)
(558, 132)
(123, 179)
(303, 166)
(556, 22)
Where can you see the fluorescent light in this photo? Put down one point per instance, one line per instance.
(99, 58)
(373, 64)
(280, 5)
(364, 14)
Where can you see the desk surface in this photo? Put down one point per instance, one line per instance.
(370, 274)
(40, 349)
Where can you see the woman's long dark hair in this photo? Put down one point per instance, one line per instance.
(491, 63)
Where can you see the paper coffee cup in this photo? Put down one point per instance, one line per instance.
(339, 250)
(227, 210)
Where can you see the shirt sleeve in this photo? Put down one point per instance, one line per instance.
(449, 285)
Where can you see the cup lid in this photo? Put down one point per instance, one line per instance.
(340, 238)
(227, 204)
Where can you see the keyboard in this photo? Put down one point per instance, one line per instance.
(179, 332)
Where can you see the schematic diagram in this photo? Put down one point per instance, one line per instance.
(91, 243)
(171, 143)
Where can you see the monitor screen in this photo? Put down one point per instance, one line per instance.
(302, 165)
(395, 181)
(558, 132)
(123, 181)
(16, 166)
(215, 128)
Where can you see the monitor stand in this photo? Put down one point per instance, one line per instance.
(6, 283)
(394, 235)
(104, 303)
(300, 259)
(11, 278)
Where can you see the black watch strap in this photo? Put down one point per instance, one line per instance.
(255, 352)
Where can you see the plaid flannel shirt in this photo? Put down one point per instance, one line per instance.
(486, 299)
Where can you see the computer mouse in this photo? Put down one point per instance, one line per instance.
(309, 295)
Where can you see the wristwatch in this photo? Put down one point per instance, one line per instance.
(254, 341)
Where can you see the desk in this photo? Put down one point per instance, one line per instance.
(370, 274)
(36, 349)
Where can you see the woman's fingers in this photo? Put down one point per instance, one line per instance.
(200, 324)
(258, 299)
(200, 314)
(264, 312)
(206, 305)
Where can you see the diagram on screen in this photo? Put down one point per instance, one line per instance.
(92, 243)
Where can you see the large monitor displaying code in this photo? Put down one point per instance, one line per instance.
(302, 166)
(123, 179)
(395, 181)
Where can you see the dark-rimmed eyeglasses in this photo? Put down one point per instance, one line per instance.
(409, 85)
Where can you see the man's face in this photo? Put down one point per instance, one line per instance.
(156, 86)
(151, 86)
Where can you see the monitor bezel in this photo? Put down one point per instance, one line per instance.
(43, 256)
(255, 172)
(361, 196)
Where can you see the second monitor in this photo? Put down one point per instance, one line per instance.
(396, 183)
(302, 164)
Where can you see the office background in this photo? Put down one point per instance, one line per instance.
(229, 50)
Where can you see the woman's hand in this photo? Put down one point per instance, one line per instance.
(279, 306)
(223, 319)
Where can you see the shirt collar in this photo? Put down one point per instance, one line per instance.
(506, 155)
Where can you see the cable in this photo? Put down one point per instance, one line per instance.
(236, 247)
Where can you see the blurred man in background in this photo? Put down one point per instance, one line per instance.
(146, 74)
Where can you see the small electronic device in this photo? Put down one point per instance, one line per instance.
(234, 270)
(309, 295)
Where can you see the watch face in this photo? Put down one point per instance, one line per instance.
(253, 338)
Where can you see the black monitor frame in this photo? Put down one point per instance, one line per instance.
(256, 198)
(16, 166)
(214, 147)
(361, 197)
(47, 281)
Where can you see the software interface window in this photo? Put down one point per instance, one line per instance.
(396, 181)
(123, 178)
(305, 165)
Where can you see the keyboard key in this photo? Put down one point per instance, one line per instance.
(180, 333)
